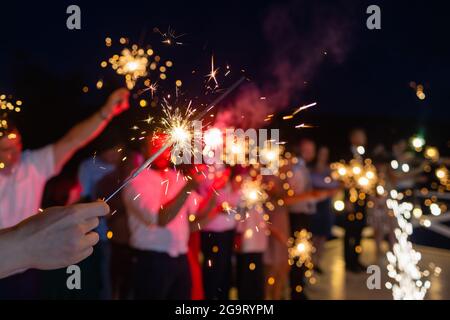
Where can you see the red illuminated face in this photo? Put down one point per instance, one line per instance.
(155, 143)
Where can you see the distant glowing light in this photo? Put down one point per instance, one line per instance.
(363, 181)
(339, 205)
(434, 209)
(418, 143)
(432, 153)
(380, 190)
(360, 150)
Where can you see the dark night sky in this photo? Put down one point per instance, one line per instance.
(369, 85)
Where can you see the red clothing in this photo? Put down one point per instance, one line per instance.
(194, 264)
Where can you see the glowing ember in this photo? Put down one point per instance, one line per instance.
(131, 63)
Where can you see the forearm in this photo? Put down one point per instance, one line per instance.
(207, 205)
(305, 196)
(205, 216)
(80, 135)
(170, 210)
(277, 234)
(11, 252)
(198, 224)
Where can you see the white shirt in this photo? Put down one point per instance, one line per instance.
(148, 192)
(300, 183)
(254, 232)
(21, 190)
(225, 221)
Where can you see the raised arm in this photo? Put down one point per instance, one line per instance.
(312, 195)
(87, 130)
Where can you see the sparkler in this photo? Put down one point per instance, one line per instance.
(169, 37)
(304, 108)
(403, 259)
(303, 125)
(177, 125)
(301, 249)
(356, 174)
(179, 134)
(253, 193)
(213, 73)
(443, 176)
(131, 63)
(290, 116)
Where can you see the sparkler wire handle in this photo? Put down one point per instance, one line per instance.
(140, 169)
(149, 161)
(220, 98)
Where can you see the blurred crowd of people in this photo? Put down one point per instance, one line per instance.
(183, 234)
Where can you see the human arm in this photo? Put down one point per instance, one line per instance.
(208, 209)
(312, 195)
(55, 238)
(88, 129)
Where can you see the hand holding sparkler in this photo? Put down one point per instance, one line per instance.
(117, 103)
(56, 238)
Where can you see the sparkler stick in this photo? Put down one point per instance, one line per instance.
(149, 161)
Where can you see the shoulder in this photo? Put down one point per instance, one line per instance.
(38, 154)
(87, 164)
(42, 160)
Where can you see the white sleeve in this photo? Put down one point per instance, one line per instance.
(141, 200)
(43, 160)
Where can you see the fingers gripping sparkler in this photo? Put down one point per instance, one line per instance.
(169, 143)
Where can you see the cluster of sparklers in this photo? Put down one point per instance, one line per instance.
(409, 282)
(177, 124)
(359, 176)
(403, 261)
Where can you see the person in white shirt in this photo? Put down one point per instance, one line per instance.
(159, 203)
(217, 239)
(23, 174)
